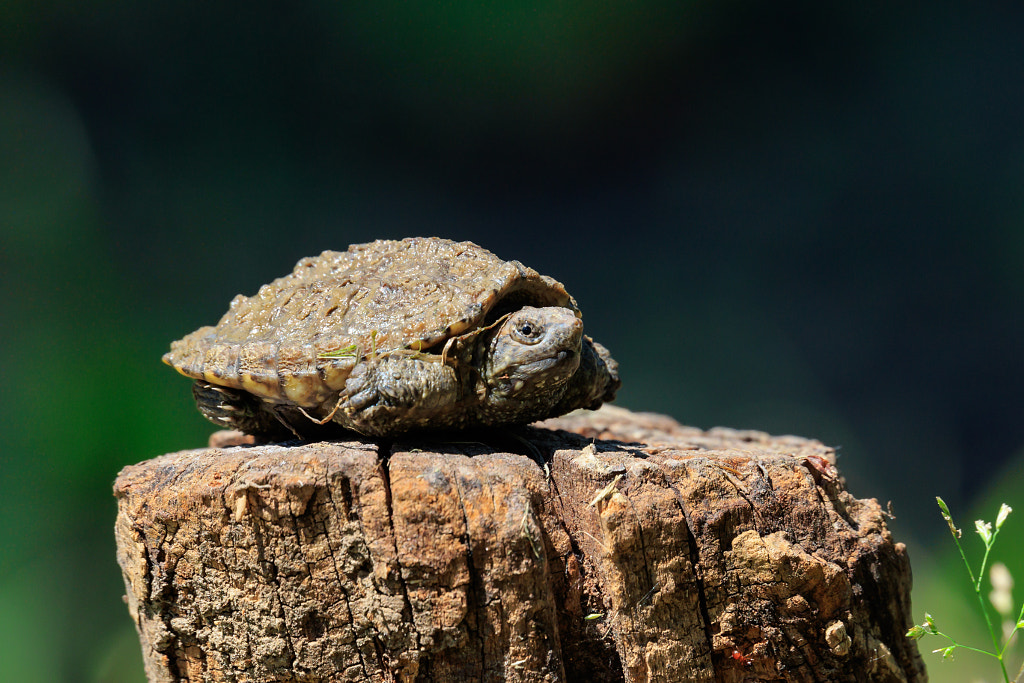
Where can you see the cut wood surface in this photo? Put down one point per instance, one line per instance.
(605, 546)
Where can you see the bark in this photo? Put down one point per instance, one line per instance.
(607, 546)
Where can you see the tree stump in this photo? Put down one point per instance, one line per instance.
(607, 546)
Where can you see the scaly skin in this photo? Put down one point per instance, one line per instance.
(536, 364)
(506, 376)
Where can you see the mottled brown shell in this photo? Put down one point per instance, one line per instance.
(386, 295)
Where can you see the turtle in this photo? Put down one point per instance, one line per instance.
(396, 336)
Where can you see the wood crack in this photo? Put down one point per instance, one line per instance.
(349, 560)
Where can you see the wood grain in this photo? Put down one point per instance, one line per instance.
(605, 546)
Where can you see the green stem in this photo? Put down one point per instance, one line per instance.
(1008, 641)
(992, 632)
(984, 610)
(984, 560)
(955, 533)
(976, 583)
(954, 643)
(1009, 638)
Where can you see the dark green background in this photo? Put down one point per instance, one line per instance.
(796, 217)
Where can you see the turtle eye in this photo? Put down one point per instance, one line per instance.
(527, 332)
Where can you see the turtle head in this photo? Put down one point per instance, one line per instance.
(534, 351)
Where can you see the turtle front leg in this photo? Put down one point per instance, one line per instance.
(233, 409)
(401, 392)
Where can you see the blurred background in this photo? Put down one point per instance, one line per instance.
(798, 217)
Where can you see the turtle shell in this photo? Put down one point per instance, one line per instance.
(297, 339)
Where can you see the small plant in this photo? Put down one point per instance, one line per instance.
(999, 598)
(350, 351)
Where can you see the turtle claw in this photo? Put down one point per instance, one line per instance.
(235, 409)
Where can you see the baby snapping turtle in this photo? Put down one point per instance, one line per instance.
(396, 336)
